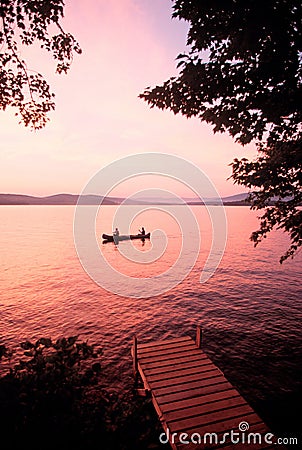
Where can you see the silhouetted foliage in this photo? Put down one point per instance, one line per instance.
(50, 396)
(53, 397)
(4, 351)
(25, 22)
(243, 74)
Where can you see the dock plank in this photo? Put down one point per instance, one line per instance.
(159, 358)
(180, 372)
(171, 346)
(203, 409)
(171, 362)
(165, 342)
(172, 351)
(207, 418)
(199, 392)
(191, 394)
(198, 400)
(209, 372)
(212, 380)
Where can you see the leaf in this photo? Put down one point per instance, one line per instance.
(27, 345)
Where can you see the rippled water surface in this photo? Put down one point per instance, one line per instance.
(250, 310)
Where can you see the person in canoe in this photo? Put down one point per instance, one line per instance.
(116, 232)
(142, 231)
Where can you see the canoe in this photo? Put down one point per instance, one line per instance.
(122, 237)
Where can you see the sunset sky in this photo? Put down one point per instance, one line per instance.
(127, 45)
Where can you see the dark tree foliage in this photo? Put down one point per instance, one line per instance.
(26, 22)
(243, 75)
(4, 352)
(53, 395)
(50, 399)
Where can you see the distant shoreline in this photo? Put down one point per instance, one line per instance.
(129, 204)
(72, 200)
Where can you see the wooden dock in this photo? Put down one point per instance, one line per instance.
(191, 395)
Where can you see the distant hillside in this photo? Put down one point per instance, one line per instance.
(59, 199)
(72, 199)
(236, 198)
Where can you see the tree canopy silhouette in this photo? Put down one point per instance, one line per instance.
(50, 394)
(26, 22)
(242, 73)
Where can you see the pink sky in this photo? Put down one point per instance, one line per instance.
(127, 46)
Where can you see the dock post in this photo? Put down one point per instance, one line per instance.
(135, 370)
(198, 336)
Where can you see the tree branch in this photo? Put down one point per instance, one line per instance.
(19, 61)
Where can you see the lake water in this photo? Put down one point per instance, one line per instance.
(250, 309)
